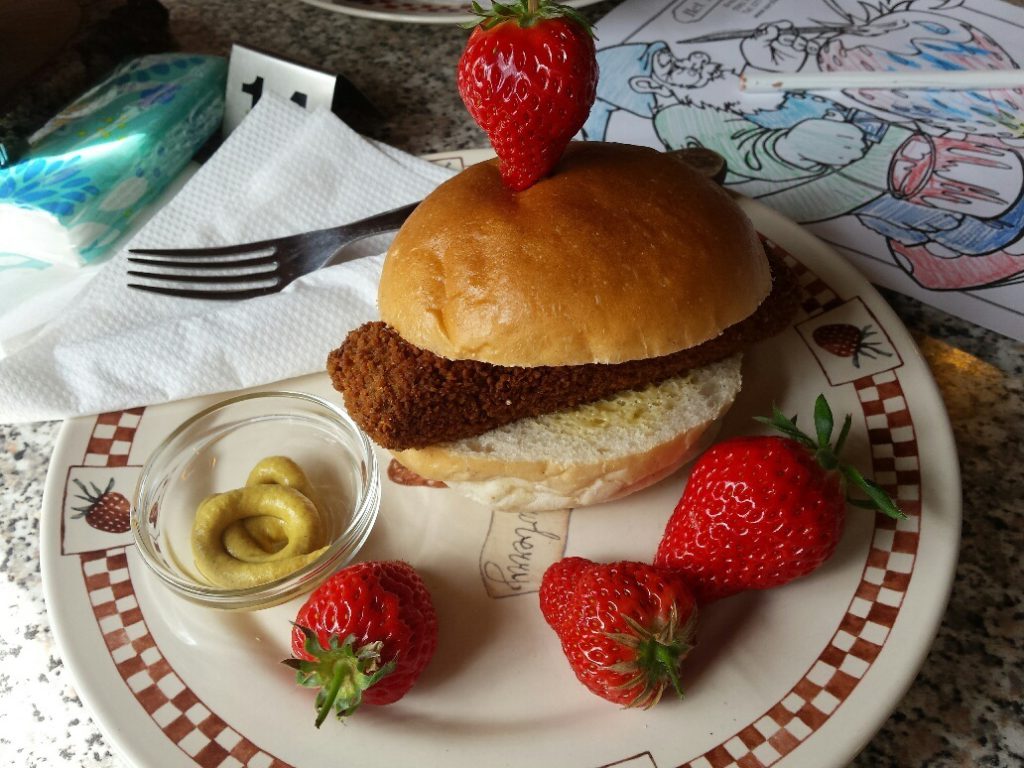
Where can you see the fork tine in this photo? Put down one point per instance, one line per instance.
(184, 293)
(248, 277)
(199, 253)
(256, 261)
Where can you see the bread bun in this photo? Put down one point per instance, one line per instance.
(590, 454)
(623, 253)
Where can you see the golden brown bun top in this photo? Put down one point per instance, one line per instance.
(622, 253)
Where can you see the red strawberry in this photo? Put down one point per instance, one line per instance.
(105, 510)
(760, 511)
(528, 77)
(364, 636)
(625, 627)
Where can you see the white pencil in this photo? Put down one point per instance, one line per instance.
(953, 80)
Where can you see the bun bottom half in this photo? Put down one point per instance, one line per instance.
(590, 454)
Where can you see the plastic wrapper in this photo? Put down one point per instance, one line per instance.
(97, 164)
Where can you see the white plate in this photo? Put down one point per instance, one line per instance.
(799, 676)
(414, 11)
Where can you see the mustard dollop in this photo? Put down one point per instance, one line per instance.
(261, 532)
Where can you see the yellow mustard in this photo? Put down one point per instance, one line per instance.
(262, 532)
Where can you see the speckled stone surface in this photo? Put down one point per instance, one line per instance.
(964, 709)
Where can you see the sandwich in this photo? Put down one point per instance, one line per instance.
(567, 344)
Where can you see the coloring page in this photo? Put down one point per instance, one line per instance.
(923, 189)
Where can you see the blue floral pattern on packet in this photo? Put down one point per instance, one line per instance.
(55, 186)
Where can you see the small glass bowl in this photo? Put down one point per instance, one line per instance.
(214, 451)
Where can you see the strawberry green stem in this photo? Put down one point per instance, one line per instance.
(344, 690)
(657, 655)
(325, 701)
(342, 671)
(827, 455)
(525, 13)
(664, 662)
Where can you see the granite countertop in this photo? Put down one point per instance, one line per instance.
(964, 708)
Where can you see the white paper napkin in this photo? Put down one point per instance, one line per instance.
(282, 171)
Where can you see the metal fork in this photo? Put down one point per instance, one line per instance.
(232, 270)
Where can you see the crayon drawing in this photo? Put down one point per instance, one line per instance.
(923, 189)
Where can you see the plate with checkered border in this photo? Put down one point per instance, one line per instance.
(798, 676)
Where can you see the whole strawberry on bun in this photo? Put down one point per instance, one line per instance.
(528, 77)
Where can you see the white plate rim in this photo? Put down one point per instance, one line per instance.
(842, 745)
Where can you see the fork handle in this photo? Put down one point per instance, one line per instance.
(381, 222)
(377, 224)
(332, 239)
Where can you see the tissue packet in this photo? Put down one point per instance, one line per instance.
(92, 168)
